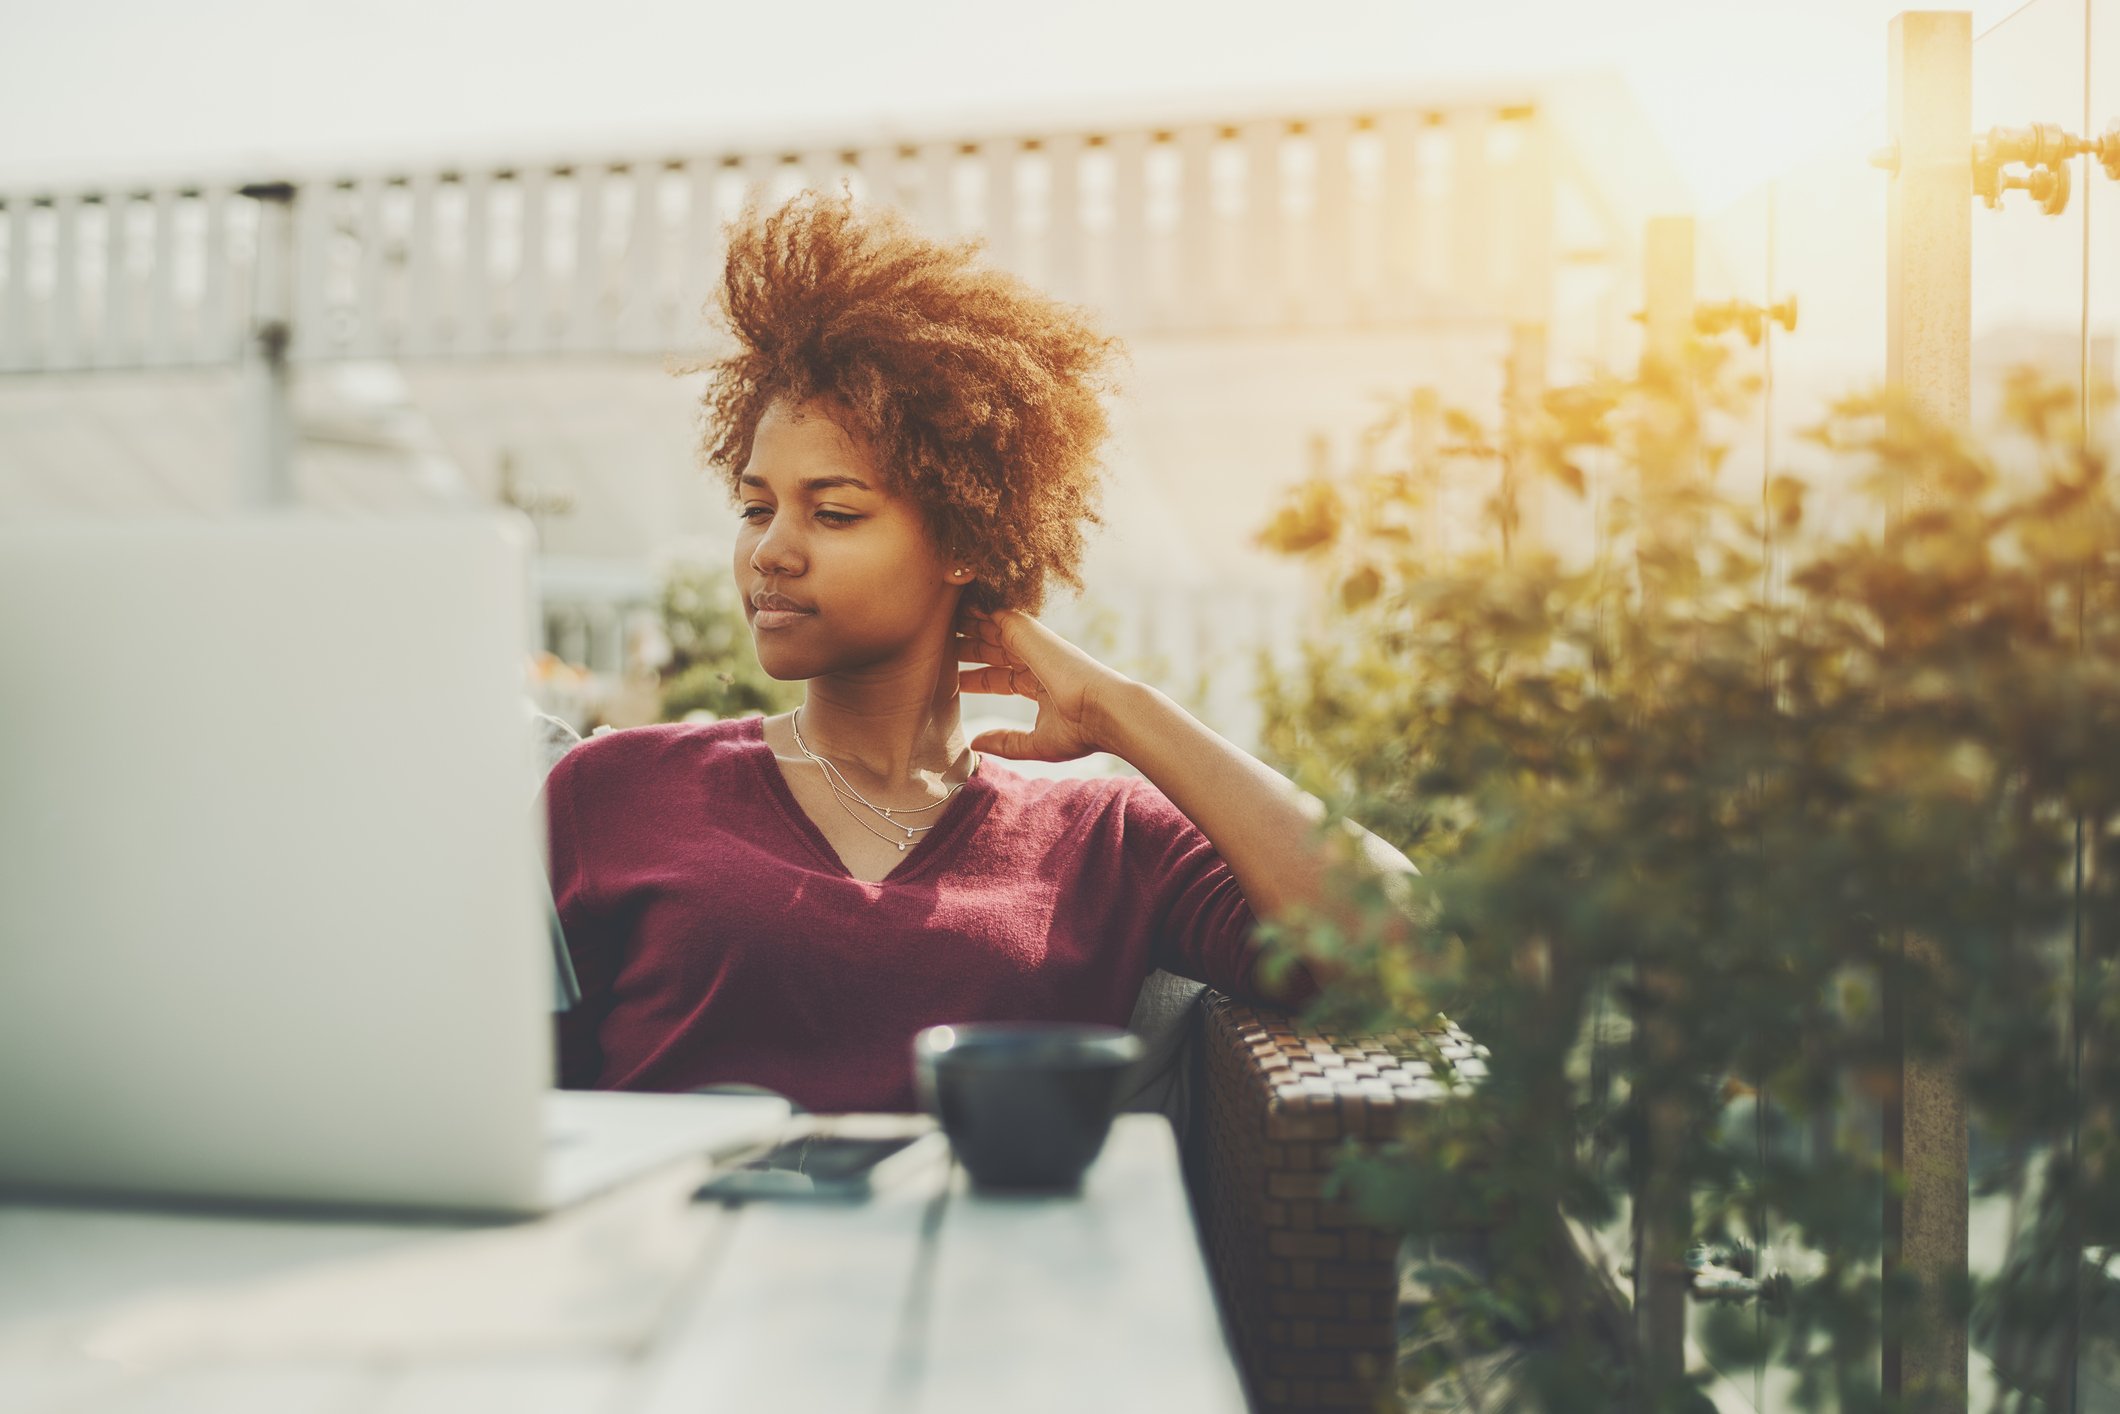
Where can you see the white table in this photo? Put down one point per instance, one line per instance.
(926, 1298)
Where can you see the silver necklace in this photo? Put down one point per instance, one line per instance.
(903, 845)
(842, 787)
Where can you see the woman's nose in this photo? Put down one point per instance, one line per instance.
(776, 552)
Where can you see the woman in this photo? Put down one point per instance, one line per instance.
(912, 439)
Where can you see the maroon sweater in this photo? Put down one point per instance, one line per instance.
(718, 937)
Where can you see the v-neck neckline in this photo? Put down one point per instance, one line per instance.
(971, 801)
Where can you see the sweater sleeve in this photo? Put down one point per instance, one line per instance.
(586, 925)
(1202, 924)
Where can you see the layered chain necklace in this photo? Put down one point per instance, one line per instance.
(842, 788)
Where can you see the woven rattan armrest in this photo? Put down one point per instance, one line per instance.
(1310, 1293)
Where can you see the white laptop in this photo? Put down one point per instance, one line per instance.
(271, 923)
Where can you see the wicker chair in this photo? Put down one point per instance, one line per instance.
(1310, 1294)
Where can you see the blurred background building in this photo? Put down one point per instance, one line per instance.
(1283, 261)
(497, 333)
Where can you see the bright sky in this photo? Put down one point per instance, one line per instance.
(141, 87)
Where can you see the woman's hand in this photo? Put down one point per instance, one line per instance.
(1024, 658)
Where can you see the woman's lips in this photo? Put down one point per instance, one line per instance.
(779, 618)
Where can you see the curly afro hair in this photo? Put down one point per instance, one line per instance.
(981, 397)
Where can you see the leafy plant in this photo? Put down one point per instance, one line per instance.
(712, 667)
(1691, 809)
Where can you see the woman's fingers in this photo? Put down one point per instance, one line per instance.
(1002, 681)
(1011, 743)
(1010, 629)
(1025, 638)
(975, 650)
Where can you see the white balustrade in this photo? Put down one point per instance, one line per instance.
(1473, 232)
(1391, 217)
(1126, 241)
(528, 324)
(1064, 271)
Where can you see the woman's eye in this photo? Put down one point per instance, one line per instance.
(841, 518)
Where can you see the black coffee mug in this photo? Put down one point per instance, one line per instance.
(1026, 1103)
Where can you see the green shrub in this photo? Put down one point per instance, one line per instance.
(1689, 806)
(713, 667)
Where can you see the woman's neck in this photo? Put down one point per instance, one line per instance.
(897, 729)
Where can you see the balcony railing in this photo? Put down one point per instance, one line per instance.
(1386, 217)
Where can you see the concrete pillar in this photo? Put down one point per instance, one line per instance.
(1532, 239)
(214, 335)
(371, 194)
(16, 348)
(63, 331)
(1523, 389)
(1472, 225)
(1064, 272)
(267, 439)
(529, 316)
(1263, 299)
(1331, 245)
(111, 344)
(159, 343)
(705, 259)
(1195, 298)
(1003, 218)
(1928, 213)
(642, 314)
(882, 176)
(1667, 288)
(1127, 241)
(423, 288)
(1928, 335)
(472, 332)
(938, 190)
(822, 169)
(1399, 191)
(587, 316)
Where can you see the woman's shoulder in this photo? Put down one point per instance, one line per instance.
(644, 752)
(1086, 812)
(1090, 795)
(1076, 795)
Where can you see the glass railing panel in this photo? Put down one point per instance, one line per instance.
(2028, 262)
(1818, 232)
(2101, 218)
(1805, 248)
(2027, 320)
(2092, 1376)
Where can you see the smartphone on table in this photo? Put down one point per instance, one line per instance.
(817, 1166)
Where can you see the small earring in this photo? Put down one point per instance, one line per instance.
(962, 572)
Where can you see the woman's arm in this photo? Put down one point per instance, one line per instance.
(1264, 828)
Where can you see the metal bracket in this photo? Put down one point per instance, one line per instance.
(2041, 150)
(1743, 315)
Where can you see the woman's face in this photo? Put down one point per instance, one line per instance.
(836, 573)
